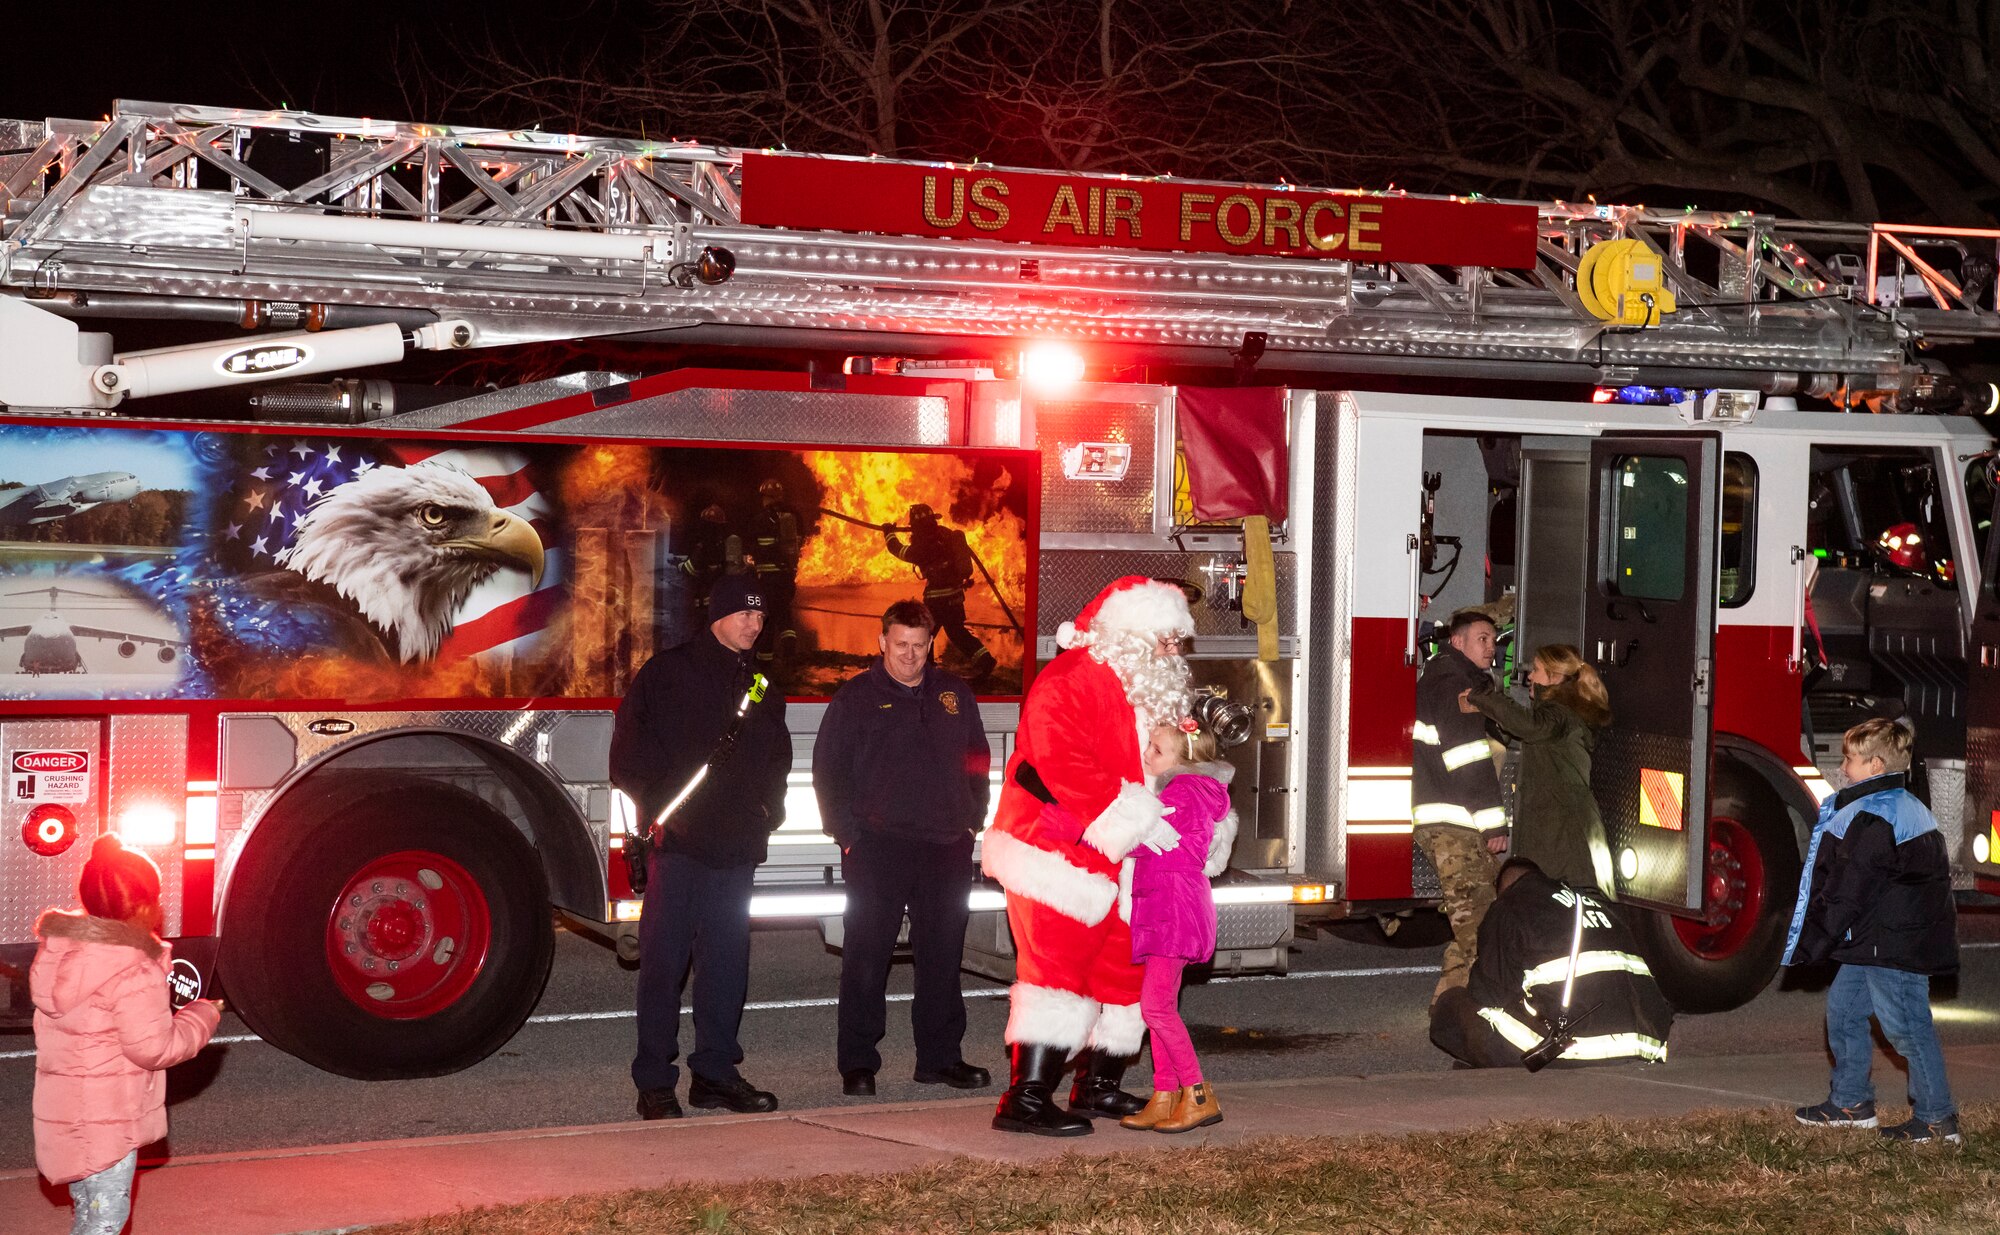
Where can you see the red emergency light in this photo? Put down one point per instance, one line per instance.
(49, 829)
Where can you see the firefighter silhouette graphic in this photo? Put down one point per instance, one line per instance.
(774, 546)
(941, 555)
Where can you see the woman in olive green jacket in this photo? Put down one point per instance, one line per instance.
(1556, 823)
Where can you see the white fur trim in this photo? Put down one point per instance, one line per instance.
(1131, 816)
(1066, 635)
(1149, 608)
(1220, 844)
(1046, 878)
(1120, 1030)
(1045, 1016)
(1125, 890)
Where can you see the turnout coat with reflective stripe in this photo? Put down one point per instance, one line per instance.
(1524, 946)
(1452, 777)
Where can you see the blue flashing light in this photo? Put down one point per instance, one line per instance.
(1654, 396)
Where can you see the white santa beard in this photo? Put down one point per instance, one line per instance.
(1156, 686)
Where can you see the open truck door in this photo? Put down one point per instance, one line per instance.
(1649, 630)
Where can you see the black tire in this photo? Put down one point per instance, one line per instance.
(278, 954)
(1694, 982)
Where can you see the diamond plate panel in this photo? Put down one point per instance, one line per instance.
(1068, 578)
(829, 417)
(29, 882)
(147, 770)
(1614, 779)
(1251, 926)
(1982, 757)
(1122, 506)
(1948, 804)
(523, 732)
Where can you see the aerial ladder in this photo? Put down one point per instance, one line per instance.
(347, 242)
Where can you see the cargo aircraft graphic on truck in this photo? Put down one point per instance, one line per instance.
(49, 642)
(59, 499)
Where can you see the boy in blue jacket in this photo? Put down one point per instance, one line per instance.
(1875, 896)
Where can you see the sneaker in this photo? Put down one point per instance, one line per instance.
(1830, 1115)
(1918, 1132)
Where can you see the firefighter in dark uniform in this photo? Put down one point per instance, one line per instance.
(1455, 809)
(942, 556)
(1510, 1005)
(700, 728)
(774, 545)
(900, 770)
(713, 551)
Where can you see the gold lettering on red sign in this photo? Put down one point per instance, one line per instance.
(1190, 216)
(1121, 206)
(1357, 224)
(1064, 210)
(1324, 241)
(987, 195)
(1281, 214)
(1249, 204)
(931, 214)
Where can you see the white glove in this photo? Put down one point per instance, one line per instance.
(1161, 837)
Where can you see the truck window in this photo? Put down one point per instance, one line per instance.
(1979, 501)
(1736, 553)
(1649, 513)
(1880, 511)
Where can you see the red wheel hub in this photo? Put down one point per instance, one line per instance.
(408, 934)
(1732, 893)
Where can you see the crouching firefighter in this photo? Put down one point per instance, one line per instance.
(1558, 977)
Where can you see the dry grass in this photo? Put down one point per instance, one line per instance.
(1734, 1173)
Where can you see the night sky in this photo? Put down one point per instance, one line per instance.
(72, 59)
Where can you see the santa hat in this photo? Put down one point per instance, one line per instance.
(1133, 605)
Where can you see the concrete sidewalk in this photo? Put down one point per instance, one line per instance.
(338, 1187)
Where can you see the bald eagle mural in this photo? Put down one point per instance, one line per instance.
(391, 555)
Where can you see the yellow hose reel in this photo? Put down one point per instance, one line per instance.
(1623, 281)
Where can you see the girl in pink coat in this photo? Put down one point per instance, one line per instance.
(1173, 916)
(104, 1034)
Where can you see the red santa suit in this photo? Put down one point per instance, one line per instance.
(1079, 740)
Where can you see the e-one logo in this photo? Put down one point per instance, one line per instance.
(261, 360)
(51, 761)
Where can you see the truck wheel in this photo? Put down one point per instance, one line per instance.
(1722, 959)
(400, 929)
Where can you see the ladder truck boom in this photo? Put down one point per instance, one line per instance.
(165, 210)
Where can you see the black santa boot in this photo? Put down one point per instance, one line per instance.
(1029, 1105)
(1096, 1094)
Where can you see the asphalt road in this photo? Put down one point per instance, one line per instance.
(1351, 1005)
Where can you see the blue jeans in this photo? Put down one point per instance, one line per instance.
(699, 915)
(1901, 1001)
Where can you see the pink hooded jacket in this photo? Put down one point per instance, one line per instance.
(1173, 912)
(104, 1033)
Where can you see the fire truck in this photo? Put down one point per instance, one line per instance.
(367, 824)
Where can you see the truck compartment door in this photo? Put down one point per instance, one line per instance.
(1982, 719)
(1649, 629)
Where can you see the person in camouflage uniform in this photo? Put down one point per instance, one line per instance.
(1457, 817)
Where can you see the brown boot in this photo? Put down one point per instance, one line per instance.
(1158, 1107)
(1194, 1107)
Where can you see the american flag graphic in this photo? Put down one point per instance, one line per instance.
(276, 486)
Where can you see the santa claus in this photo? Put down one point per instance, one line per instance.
(1082, 728)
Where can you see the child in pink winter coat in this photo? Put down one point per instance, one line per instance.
(105, 1032)
(1173, 917)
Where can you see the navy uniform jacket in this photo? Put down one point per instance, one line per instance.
(668, 726)
(895, 760)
